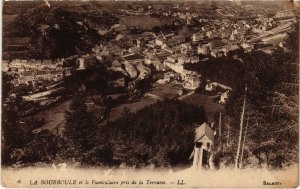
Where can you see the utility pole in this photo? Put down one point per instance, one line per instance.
(228, 132)
(242, 154)
(241, 131)
(228, 135)
(220, 130)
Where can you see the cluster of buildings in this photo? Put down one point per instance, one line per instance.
(137, 55)
(35, 73)
(215, 38)
(191, 79)
(39, 81)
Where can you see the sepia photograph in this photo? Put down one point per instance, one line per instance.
(150, 94)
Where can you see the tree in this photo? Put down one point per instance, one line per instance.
(86, 142)
(161, 134)
(80, 129)
(272, 106)
(41, 148)
(105, 104)
(6, 85)
(13, 135)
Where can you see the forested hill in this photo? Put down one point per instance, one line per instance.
(161, 134)
(55, 32)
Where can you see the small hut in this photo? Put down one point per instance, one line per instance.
(204, 138)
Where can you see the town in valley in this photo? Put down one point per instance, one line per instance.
(219, 69)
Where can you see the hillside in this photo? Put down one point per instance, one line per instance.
(161, 134)
(54, 32)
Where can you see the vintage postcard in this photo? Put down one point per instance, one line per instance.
(150, 94)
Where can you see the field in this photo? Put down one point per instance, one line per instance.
(166, 91)
(207, 103)
(6, 19)
(117, 112)
(158, 92)
(55, 120)
(16, 41)
(13, 47)
(146, 22)
(54, 117)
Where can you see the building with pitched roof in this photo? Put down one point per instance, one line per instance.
(204, 139)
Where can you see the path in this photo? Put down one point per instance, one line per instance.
(54, 117)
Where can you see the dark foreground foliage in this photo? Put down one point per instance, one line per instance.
(160, 135)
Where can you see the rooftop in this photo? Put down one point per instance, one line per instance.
(133, 57)
(204, 130)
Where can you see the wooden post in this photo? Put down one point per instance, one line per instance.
(195, 161)
(210, 161)
(200, 158)
(220, 130)
(236, 162)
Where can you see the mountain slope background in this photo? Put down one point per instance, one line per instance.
(55, 32)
